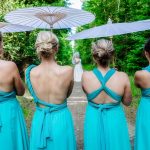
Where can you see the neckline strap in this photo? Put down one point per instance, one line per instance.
(104, 106)
(7, 95)
(113, 94)
(99, 75)
(103, 79)
(28, 82)
(52, 107)
(147, 68)
(109, 74)
(94, 94)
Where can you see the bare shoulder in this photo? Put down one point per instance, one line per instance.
(122, 76)
(35, 71)
(67, 69)
(140, 74)
(87, 75)
(9, 65)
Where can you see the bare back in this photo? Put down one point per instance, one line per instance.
(9, 78)
(118, 83)
(52, 83)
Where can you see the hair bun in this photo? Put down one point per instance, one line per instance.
(102, 51)
(98, 50)
(46, 43)
(47, 47)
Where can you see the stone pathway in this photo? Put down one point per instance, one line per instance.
(77, 104)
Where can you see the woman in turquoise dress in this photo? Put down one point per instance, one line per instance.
(13, 132)
(105, 126)
(50, 84)
(142, 131)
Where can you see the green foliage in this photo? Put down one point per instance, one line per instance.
(64, 55)
(19, 47)
(129, 57)
(129, 48)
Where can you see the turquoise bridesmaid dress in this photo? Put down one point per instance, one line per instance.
(142, 131)
(13, 132)
(52, 126)
(105, 126)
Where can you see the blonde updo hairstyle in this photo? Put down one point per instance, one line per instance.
(103, 52)
(46, 44)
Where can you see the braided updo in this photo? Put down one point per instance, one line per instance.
(103, 52)
(46, 44)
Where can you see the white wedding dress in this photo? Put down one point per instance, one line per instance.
(78, 71)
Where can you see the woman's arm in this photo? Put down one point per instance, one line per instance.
(137, 79)
(127, 98)
(71, 83)
(18, 84)
(70, 88)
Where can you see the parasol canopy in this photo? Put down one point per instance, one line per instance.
(111, 29)
(50, 17)
(8, 27)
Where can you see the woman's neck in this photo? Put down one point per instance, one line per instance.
(103, 68)
(49, 61)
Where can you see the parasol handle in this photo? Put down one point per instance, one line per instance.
(51, 27)
(113, 61)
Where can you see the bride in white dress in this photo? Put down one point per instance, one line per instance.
(78, 71)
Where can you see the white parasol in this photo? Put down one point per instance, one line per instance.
(50, 17)
(111, 29)
(7, 27)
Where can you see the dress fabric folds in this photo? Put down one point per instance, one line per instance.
(52, 126)
(13, 131)
(105, 126)
(142, 131)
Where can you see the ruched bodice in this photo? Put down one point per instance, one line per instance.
(45, 124)
(103, 81)
(146, 91)
(4, 96)
(13, 132)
